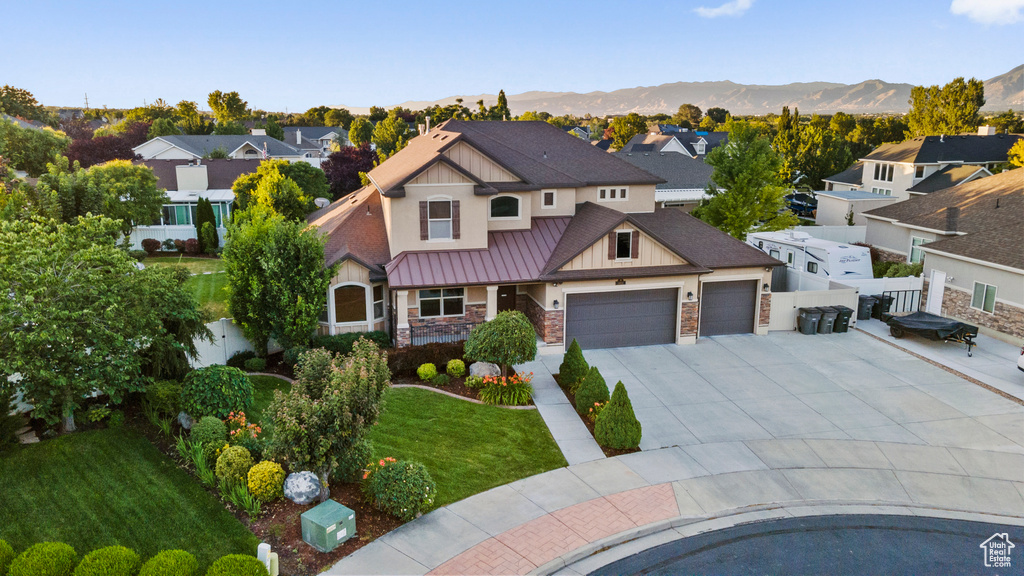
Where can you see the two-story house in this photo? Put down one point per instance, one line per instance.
(896, 172)
(690, 144)
(314, 141)
(474, 218)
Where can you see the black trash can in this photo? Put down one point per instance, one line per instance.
(807, 320)
(828, 319)
(882, 305)
(865, 304)
(843, 319)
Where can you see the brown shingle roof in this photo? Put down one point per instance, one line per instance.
(355, 230)
(220, 172)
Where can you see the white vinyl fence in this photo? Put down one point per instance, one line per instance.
(786, 305)
(161, 233)
(228, 340)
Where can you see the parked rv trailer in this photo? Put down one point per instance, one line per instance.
(814, 257)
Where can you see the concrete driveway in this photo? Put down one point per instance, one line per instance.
(731, 389)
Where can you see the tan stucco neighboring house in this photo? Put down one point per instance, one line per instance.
(972, 235)
(474, 218)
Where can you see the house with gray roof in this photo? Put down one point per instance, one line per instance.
(474, 218)
(971, 237)
(686, 142)
(315, 141)
(244, 147)
(686, 178)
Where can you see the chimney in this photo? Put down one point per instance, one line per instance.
(298, 136)
(986, 130)
(259, 132)
(952, 218)
(428, 125)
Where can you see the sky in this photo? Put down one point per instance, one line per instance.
(287, 56)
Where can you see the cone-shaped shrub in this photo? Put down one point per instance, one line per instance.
(574, 367)
(591, 391)
(617, 426)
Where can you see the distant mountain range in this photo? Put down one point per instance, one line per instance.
(869, 97)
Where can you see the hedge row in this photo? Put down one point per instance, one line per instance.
(59, 559)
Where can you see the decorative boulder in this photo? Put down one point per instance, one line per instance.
(185, 420)
(484, 369)
(302, 487)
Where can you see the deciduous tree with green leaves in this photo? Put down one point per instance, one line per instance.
(228, 107)
(1016, 155)
(746, 194)
(506, 340)
(191, 121)
(163, 127)
(717, 114)
(30, 149)
(312, 183)
(339, 117)
(360, 132)
(688, 113)
(129, 193)
(390, 135)
(625, 127)
(951, 109)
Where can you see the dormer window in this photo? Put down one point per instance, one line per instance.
(700, 147)
(505, 208)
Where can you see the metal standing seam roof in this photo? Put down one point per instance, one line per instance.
(511, 256)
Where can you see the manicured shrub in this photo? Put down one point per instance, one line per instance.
(255, 364)
(439, 380)
(474, 382)
(266, 481)
(116, 419)
(456, 368)
(179, 245)
(138, 255)
(171, 563)
(403, 489)
(592, 391)
(233, 464)
(169, 245)
(904, 269)
(45, 559)
(6, 556)
(426, 371)
(192, 246)
(237, 565)
(238, 359)
(212, 433)
(506, 340)
(210, 240)
(109, 561)
(514, 390)
(403, 362)
(353, 461)
(164, 396)
(291, 355)
(617, 426)
(216, 391)
(150, 245)
(342, 343)
(574, 367)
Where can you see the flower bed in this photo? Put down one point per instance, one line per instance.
(589, 422)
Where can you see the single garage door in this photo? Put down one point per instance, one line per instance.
(615, 319)
(728, 307)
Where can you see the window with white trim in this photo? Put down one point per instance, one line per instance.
(349, 303)
(624, 245)
(984, 297)
(612, 193)
(438, 302)
(918, 171)
(439, 219)
(547, 198)
(505, 208)
(916, 254)
(883, 172)
(812, 267)
(881, 191)
(378, 302)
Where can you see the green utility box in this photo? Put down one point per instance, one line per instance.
(328, 525)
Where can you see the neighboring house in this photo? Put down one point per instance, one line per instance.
(474, 218)
(245, 147)
(579, 131)
(692, 144)
(972, 235)
(605, 145)
(918, 166)
(314, 141)
(186, 181)
(685, 178)
(21, 123)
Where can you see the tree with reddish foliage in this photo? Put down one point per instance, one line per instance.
(99, 150)
(343, 167)
(76, 128)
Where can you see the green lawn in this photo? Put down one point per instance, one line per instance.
(194, 265)
(466, 447)
(105, 487)
(211, 292)
(263, 393)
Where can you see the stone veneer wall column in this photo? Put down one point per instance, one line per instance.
(549, 324)
(888, 256)
(957, 303)
(688, 318)
(765, 313)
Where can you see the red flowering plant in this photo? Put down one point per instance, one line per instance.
(595, 410)
(241, 430)
(372, 468)
(514, 390)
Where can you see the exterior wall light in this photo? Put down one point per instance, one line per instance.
(555, 304)
(765, 287)
(689, 296)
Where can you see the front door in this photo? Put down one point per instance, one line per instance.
(506, 298)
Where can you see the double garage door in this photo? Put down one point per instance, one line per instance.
(646, 317)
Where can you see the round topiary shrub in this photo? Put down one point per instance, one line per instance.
(233, 464)
(150, 245)
(237, 565)
(266, 481)
(255, 364)
(426, 372)
(212, 433)
(109, 561)
(441, 380)
(592, 390)
(403, 489)
(6, 556)
(574, 367)
(216, 391)
(49, 558)
(171, 563)
(238, 359)
(456, 368)
(617, 426)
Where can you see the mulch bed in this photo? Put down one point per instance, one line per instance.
(277, 365)
(455, 386)
(608, 452)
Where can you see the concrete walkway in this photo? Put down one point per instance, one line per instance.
(569, 432)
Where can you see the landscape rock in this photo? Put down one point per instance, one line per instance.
(302, 487)
(185, 420)
(484, 369)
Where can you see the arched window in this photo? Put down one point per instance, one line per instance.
(251, 152)
(505, 207)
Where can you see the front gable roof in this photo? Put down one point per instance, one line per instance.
(200, 146)
(952, 175)
(354, 226)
